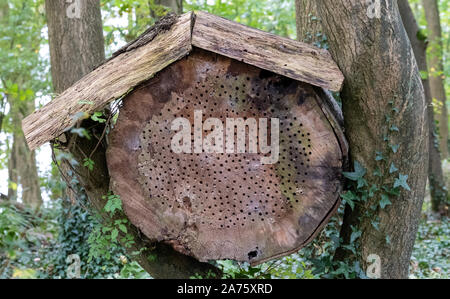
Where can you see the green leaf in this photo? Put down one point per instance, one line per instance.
(113, 204)
(394, 128)
(401, 182)
(377, 172)
(388, 240)
(89, 164)
(384, 201)
(349, 197)
(114, 234)
(379, 156)
(361, 183)
(123, 228)
(357, 174)
(393, 169)
(355, 235)
(97, 116)
(375, 225)
(394, 148)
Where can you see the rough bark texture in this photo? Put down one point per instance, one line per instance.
(309, 30)
(194, 201)
(436, 67)
(280, 55)
(381, 74)
(418, 42)
(159, 260)
(309, 27)
(162, 45)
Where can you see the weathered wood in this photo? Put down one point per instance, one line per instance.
(226, 206)
(383, 90)
(108, 82)
(280, 55)
(166, 43)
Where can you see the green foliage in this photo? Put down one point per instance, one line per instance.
(98, 117)
(431, 250)
(273, 16)
(25, 239)
(113, 204)
(89, 163)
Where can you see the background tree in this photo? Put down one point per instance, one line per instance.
(309, 27)
(436, 70)
(418, 42)
(384, 113)
(18, 83)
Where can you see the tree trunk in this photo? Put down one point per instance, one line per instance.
(76, 47)
(22, 170)
(309, 27)
(175, 6)
(385, 119)
(435, 175)
(436, 67)
(159, 8)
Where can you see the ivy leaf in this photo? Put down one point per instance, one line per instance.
(379, 156)
(349, 198)
(388, 240)
(394, 128)
(361, 183)
(375, 225)
(357, 174)
(401, 182)
(114, 234)
(384, 201)
(393, 169)
(355, 235)
(394, 148)
(377, 172)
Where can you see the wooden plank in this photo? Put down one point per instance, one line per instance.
(108, 82)
(280, 55)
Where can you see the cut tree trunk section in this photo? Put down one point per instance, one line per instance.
(226, 205)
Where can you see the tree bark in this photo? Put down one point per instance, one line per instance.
(309, 27)
(159, 8)
(76, 47)
(436, 67)
(175, 6)
(22, 169)
(418, 42)
(382, 78)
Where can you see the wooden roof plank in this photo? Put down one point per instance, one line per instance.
(280, 55)
(142, 59)
(108, 82)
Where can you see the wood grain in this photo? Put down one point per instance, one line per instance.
(108, 82)
(227, 206)
(280, 55)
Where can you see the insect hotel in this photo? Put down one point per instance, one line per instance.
(226, 146)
